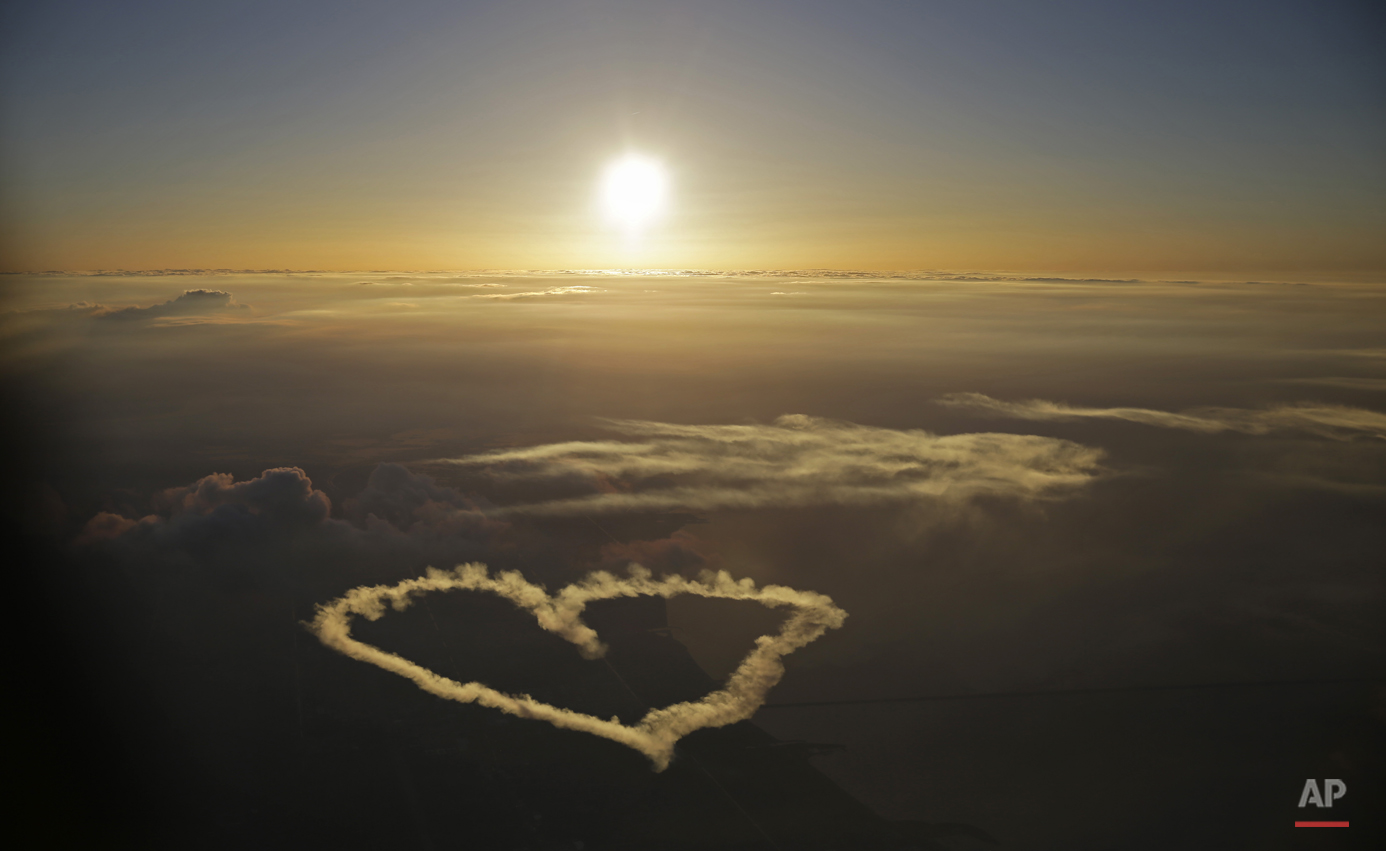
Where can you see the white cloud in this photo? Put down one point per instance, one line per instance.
(796, 461)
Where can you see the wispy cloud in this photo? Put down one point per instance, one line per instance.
(1343, 382)
(661, 728)
(409, 282)
(577, 289)
(796, 461)
(1338, 422)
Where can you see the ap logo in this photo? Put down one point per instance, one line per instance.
(1332, 791)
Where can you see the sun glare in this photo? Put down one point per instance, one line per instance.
(634, 190)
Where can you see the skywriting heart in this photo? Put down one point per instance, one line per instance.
(561, 613)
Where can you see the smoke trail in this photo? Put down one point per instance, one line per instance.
(660, 729)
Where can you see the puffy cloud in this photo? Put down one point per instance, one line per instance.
(217, 517)
(397, 500)
(107, 526)
(267, 523)
(1334, 421)
(796, 461)
(394, 494)
(661, 728)
(284, 495)
(191, 302)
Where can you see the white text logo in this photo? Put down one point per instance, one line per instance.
(1332, 791)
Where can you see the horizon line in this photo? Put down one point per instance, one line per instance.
(980, 275)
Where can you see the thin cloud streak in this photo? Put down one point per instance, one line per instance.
(576, 289)
(794, 462)
(1345, 382)
(1338, 422)
(661, 728)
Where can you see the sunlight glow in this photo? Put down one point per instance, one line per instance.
(633, 191)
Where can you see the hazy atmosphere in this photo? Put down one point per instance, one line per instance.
(763, 425)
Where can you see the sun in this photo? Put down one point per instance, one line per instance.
(634, 191)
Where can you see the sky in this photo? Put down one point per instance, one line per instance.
(1228, 136)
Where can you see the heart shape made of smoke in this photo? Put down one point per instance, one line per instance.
(657, 733)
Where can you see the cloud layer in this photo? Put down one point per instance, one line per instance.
(191, 302)
(795, 461)
(1338, 422)
(561, 614)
